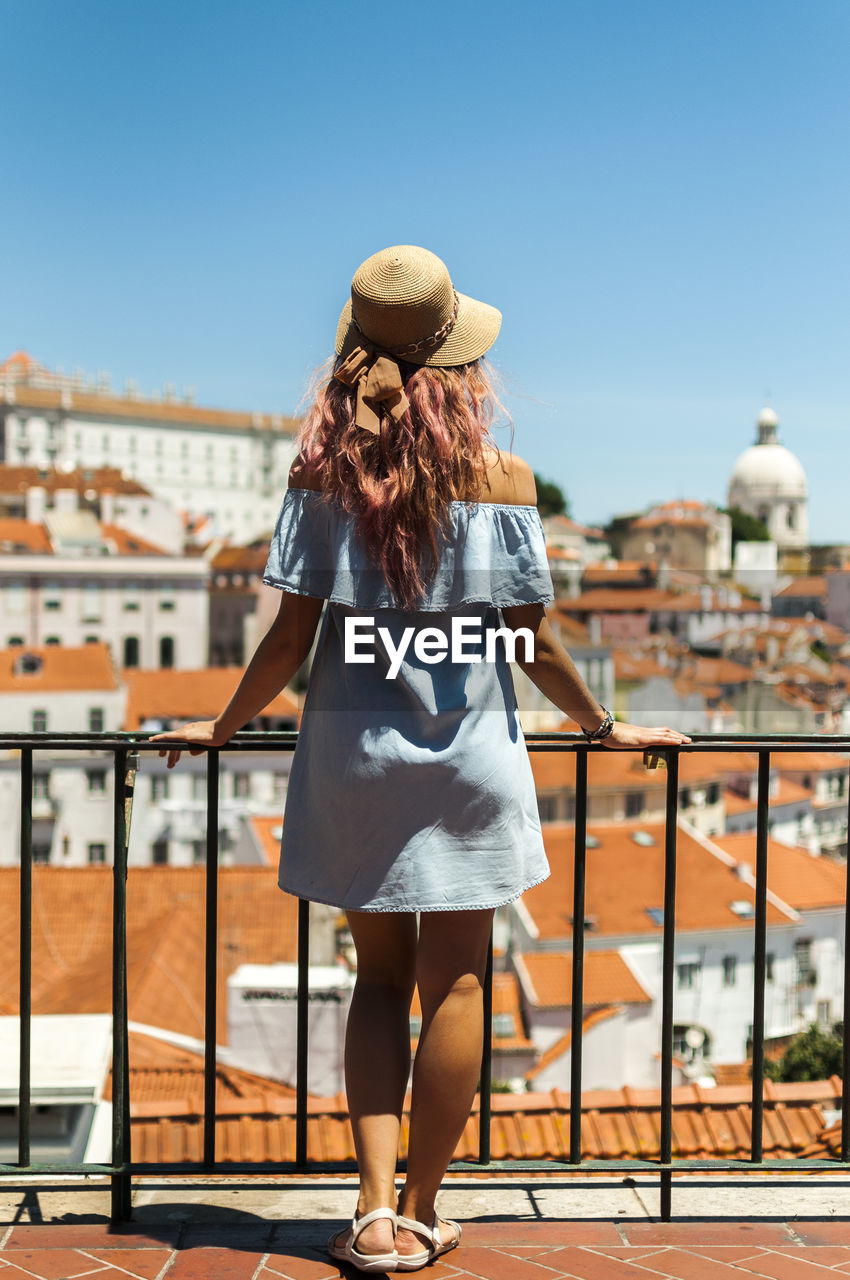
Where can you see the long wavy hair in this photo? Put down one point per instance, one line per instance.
(399, 484)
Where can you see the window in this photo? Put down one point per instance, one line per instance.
(824, 1012)
(687, 974)
(166, 651)
(730, 971)
(52, 596)
(167, 603)
(16, 597)
(159, 788)
(15, 642)
(91, 603)
(39, 722)
(241, 785)
(96, 781)
(96, 719)
(41, 786)
(51, 640)
(40, 854)
(91, 639)
(503, 1025)
(806, 975)
(199, 852)
(131, 651)
(159, 852)
(634, 804)
(712, 794)
(132, 604)
(685, 797)
(97, 854)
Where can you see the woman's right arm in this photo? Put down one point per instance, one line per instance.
(553, 671)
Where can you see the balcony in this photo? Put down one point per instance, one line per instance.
(667, 1146)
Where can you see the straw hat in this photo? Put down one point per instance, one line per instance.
(404, 303)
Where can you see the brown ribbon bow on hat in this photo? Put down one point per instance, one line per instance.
(379, 386)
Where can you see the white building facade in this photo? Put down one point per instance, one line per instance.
(229, 466)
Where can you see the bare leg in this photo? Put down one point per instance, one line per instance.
(377, 1057)
(451, 960)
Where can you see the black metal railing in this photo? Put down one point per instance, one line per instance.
(125, 749)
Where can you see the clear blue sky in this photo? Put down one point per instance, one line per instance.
(655, 193)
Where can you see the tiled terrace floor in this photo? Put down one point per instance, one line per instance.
(595, 1250)
(532, 1232)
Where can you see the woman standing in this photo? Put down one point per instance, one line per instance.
(410, 792)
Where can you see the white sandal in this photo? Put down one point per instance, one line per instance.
(379, 1262)
(436, 1245)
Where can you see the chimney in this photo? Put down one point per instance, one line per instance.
(65, 500)
(36, 504)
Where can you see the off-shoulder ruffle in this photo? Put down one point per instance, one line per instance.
(493, 554)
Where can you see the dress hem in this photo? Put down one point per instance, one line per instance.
(461, 906)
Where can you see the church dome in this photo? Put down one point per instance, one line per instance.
(770, 466)
(767, 466)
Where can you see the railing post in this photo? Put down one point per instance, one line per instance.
(759, 957)
(667, 971)
(845, 1109)
(577, 997)
(25, 976)
(121, 1182)
(485, 1107)
(301, 1038)
(211, 956)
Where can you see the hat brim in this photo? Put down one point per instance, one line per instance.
(475, 330)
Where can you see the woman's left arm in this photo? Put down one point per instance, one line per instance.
(278, 656)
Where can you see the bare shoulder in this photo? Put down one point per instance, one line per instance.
(302, 476)
(509, 479)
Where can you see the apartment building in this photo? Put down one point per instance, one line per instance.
(230, 467)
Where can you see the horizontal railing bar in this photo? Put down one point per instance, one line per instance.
(272, 741)
(457, 1166)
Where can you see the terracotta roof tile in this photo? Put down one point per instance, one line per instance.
(249, 560)
(547, 979)
(606, 771)
(267, 832)
(23, 535)
(129, 544)
(72, 931)
(804, 881)
(625, 880)
(60, 669)
(189, 695)
(809, 761)
(16, 479)
(616, 1124)
(812, 586)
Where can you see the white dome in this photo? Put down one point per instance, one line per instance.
(770, 467)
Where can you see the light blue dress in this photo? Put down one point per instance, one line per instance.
(412, 791)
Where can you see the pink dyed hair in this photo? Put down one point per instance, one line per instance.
(399, 485)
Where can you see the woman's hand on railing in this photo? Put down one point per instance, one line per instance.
(207, 733)
(635, 735)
